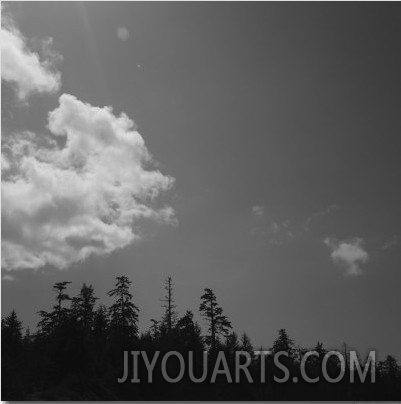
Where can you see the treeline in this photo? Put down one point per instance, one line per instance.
(77, 353)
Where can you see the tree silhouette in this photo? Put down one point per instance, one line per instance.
(123, 313)
(170, 316)
(283, 343)
(189, 332)
(100, 322)
(82, 308)
(11, 348)
(232, 343)
(51, 320)
(246, 345)
(218, 323)
(389, 367)
(77, 355)
(11, 332)
(154, 328)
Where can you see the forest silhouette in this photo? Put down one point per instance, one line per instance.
(78, 348)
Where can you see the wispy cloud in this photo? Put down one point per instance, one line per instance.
(320, 213)
(122, 33)
(23, 68)
(258, 210)
(392, 242)
(280, 232)
(272, 230)
(8, 278)
(349, 254)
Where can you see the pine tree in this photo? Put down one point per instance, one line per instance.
(11, 333)
(12, 358)
(232, 343)
(123, 313)
(51, 320)
(100, 322)
(61, 297)
(82, 307)
(283, 343)
(154, 328)
(170, 315)
(189, 332)
(218, 324)
(389, 367)
(246, 345)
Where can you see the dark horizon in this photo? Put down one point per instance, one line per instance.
(144, 325)
(82, 352)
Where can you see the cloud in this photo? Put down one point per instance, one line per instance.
(315, 215)
(258, 210)
(348, 254)
(122, 33)
(391, 242)
(83, 189)
(273, 231)
(280, 232)
(22, 67)
(8, 278)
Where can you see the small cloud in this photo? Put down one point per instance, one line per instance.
(391, 242)
(258, 210)
(122, 33)
(273, 231)
(348, 254)
(280, 233)
(8, 278)
(324, 212)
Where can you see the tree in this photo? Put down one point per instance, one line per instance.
(189, 332)
(232, 343)
(123, 313)
(51, 320)
(218, 324)
(82, 307)
(389, 367)
(170, 316)
(283, 343)
(246, 345)
(61, 297)
(12, 358)
(100, 322)
(154, 328)
(11, 333)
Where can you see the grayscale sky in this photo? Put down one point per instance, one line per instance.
(275, 179)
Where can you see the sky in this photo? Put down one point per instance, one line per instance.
(251, 148)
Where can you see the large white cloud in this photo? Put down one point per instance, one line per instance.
(23, 68)
(349, 254)
(79, 191)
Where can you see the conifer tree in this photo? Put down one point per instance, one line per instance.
(100, 322)
(170, 315)
(283, 343)
(82, 307)
(218, 323)
(51, 320)
(189, 332)
(154, 328)
(123, 313)
(11, 333)
(232, 343)
(246, 345)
